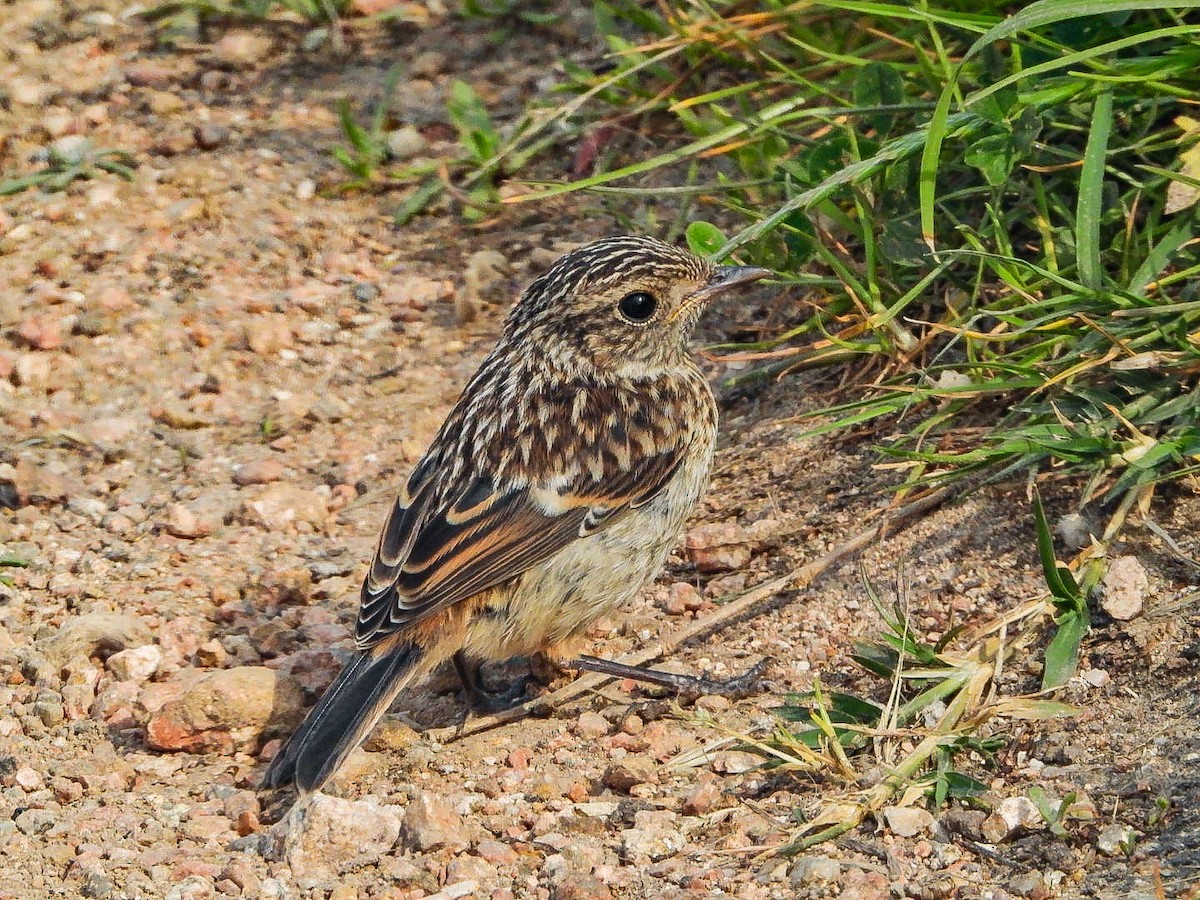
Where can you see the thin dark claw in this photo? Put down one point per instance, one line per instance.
(688, 685)
(481, 700)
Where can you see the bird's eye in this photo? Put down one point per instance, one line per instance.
(638, 306)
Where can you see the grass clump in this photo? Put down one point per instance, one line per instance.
(68, 160)
(944, 707)
(998, 213)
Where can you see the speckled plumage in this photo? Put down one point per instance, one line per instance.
(553, 491)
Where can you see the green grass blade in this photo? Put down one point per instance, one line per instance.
(1091, 194)
(1047, 12)
(1156, 260)
(935, 136)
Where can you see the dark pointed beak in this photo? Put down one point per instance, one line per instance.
(728, 277)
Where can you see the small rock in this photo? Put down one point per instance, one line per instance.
(417, 291)
(282, 507)
(717, 547)
(211, 654)
(314, 669)
(1114, 839)
(405, 143)
(907, 821)
(94, 634)
(28, 91)
(704, 799)
(812, 870)
(35, 821)
(183, 635)
(1096, 678)
(655, 836)
(267, 334)
(285, 586)
(226, 709)
(136, 663)
(682, 598)
(27, 778)
(430, 822)
(726, 585)
(1027, 884)
(240, 49)
(519, 758)
(240, 873)
(175, 140)
(1124, 588)
(110, 429)
(735, 762)
(50, 710)
(965, 822)
(90, 508)
(164, 103)
(624, 775)
(209, 136)
(179, 415)
(259, 471)
(591, 725)
(306, 189)
(96, 886)
(183, 523)
(41, 333)
(1011, 815)
(713, 703)
(189, 209)
(496, 853)
(325, 835)
(32, 370)
(149, 74)
(580, 886)
(597, 809)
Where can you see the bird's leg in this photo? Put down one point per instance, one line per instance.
(688, 685)
(481, 700)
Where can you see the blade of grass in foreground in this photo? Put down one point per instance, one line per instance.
(1091, 193)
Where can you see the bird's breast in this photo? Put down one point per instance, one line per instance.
(592, 576)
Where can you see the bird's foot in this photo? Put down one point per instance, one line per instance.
(482, 700)
(688, 685)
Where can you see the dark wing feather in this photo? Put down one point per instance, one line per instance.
(435, 552)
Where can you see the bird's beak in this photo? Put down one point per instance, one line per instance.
(726, 278)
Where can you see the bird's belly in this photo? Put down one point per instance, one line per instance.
(589, 578)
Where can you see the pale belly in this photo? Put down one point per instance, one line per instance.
(590, 578)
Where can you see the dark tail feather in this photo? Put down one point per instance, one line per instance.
(342, 718)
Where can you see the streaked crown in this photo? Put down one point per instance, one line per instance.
(624, 304)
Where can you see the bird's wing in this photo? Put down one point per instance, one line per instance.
(441, 546)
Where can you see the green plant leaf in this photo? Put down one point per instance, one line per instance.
(704, 238)
(1051, 570)
(993, 156)
(421, 196)
(1062, 654)
(469, 115)
(961, 787)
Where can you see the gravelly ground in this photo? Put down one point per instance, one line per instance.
(211, 378)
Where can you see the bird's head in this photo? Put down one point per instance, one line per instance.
(625, 304)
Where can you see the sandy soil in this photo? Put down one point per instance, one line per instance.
(212, 377)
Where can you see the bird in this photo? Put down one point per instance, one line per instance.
(552, 493)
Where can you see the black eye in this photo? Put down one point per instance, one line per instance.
(638, 306)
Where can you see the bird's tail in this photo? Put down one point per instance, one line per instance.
(342, 718)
